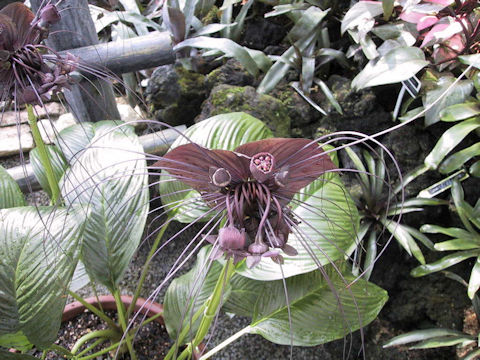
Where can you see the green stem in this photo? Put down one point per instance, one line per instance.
(123, 323)
(153, 249)
(213, 304)
(42, 152)
(185, 331)
(91, 347)
(227, 342)
(44, 354)
(109, 333)
(101, 352)
(94, 310)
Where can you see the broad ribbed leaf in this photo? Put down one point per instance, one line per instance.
(397, 65)
(328, 225)
(74, 139)
(225, 131)
(109, 178)
(5, 355)
(10, 193)
(38, 252)
(187, 293)
(59, 165)
(315, 314)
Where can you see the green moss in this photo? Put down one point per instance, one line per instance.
(226, 99)
(189, 81)
(211, 16)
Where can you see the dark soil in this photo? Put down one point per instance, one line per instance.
(151, 343)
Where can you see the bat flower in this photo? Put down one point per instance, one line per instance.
(29, 70)
(253, 186)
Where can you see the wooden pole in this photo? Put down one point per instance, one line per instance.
(89, 99)
(120, 57)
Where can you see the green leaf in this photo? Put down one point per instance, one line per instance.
(328, 225)
(397, 65)
(109, 179)
(450, 138)
(453, 232)
(405, 239)
(443, 263)
(460, 111)
(387, 6)
(421, 335)
(309, 20)
(74, 139)
(6, 355)
(225, 131)
(59, 165)
(457, 244)
(474, 282)
(458, 159)
(444, 94)
(473, 60)
(10, 193)
(361, 12)
(38, 252)
(445, 341)
(227, 46)
(315, 314)
(17, 341)
(187, 293)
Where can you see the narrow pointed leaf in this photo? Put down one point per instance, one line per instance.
(444, 341)
(443, 263)
(450, 138)
(459, 112)
(109, 178)
(39, 250)
(10, 193)
(420, 335)
(474, 282)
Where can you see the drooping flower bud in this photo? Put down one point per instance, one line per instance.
(219, 176)
(258, 248)
(231, 238)
(262, 165)
(48, 15)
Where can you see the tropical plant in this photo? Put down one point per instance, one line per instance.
(100, 205)
(271, 198)
(440, 337)
(465, 242)
(381, 206)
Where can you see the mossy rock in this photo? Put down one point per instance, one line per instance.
(226, 98)
(175, 94)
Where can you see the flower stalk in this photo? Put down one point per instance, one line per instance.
(44, 158)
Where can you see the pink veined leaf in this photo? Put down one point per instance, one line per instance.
(411, 16)
(441, 32)
(441, 2)
(443, 53)
(426, 21)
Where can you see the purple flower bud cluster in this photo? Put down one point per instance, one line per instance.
(30, 71)
(253, 187)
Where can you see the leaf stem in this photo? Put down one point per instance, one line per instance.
(94, 310)
(150, 255)
(223, 344)
(42, 152)
(61, 350)
(109, 333)
(213, 304)
(92, 346)
(123, 323)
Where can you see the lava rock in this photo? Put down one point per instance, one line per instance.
(227, 98)
(231, 73)
(175, 94)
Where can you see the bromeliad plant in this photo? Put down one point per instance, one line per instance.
(279, 221)
(381, 208)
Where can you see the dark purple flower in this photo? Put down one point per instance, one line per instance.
(29, 70)
(253, 185)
